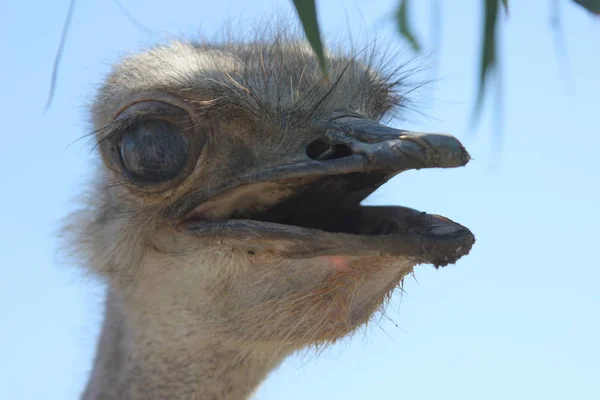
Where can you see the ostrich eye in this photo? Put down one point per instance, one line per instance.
(154, 151)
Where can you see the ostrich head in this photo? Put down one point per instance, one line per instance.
(226, 212)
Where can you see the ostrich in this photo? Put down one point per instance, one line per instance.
(225, 214)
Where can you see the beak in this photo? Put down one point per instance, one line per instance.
(312, 205)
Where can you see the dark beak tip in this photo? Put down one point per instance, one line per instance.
(449, 150)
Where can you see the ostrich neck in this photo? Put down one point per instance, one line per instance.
(129, 367)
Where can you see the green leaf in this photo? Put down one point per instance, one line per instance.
(403, 26)
(592, 6)
(307, 12)
(488, 52)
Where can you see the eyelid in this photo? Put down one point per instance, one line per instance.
(138, 113)
(149, 110)
(145, 98)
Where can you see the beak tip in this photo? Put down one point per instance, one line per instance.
(448, 151)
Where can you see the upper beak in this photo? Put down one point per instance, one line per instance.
(347, 145)
(387, 149)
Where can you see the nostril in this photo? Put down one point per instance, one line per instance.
(323, 150)
(341, 151)
(317, 148)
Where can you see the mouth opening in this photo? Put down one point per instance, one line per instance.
(329, 204)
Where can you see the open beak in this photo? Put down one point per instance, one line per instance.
(312, 206)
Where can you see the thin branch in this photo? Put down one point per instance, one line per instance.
(131, 18)
(59, 53)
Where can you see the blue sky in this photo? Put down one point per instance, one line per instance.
(517, 319)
